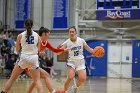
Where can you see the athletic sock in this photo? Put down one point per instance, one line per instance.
(53, 91)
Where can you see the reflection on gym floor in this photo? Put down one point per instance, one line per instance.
(92, 85)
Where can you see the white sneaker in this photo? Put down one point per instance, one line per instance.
(55, 73)
(53, 91)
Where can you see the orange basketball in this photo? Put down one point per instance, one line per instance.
(98, 51)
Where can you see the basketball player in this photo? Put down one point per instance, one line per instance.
(27, 44)
(76, 62)
(44, 35)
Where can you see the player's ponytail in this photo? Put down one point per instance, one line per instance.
(28, 25)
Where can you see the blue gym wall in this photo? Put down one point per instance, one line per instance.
(136, 58)
(98, 66)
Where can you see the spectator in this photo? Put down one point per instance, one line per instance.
(10, 62)
(46, 63)
(10, 41)
(43, 64)
(4, 54)
(49, 63)
(11, 44)
(4, 51)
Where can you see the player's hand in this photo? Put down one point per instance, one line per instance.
(67, 49)
(42, 53)
(60, 46)
(58, 53)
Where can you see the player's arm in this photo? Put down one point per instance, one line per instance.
(39, 43)
(55, 50)
(63, 46)
(89, 49)
(41, 53)
(18, 46)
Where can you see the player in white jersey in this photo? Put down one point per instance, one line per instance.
(28, 44)
(76, 62)
(29, 53)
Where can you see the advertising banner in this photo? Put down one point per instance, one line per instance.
(118, 14)
(23, 8)
(60, 14)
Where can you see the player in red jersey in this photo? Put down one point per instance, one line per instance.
(44, 35)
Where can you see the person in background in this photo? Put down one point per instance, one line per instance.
(11, 43)
(10, 63)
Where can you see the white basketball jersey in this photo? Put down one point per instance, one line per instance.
(29, 45)
(76, 48)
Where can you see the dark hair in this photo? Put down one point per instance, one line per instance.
(71, 28)
(43, 30)
(28, 25)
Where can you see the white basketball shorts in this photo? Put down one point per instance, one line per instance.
(28, 61)
(77, 64)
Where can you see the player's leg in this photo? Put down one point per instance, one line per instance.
(32, 85)
(35, 72)
(81, 77)
(81, 72)
(70, 76)
(36, 79)
(47, 78)
(44, 75)
(15, 73)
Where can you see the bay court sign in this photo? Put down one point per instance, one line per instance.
(118, 14)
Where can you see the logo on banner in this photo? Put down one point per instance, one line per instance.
(118, 14)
